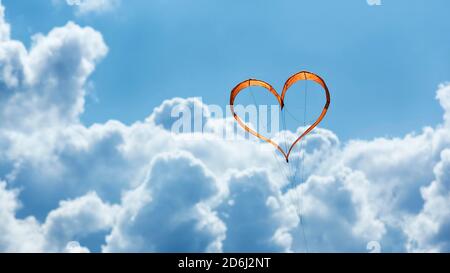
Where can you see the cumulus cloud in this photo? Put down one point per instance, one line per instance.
(443, 95)
(17, 235)
(430, 229)
(181, 115)
(46, 84)
(252, 213)
(73, 219)
(42, 89)
(76, 218)
(91, 6)
(4, 26)
(75, 247)
(169, 212)
(141, 187)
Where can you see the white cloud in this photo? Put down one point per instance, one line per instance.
(73, 219)
(172, 213)
(206, 192)
(374, 2)
(171, 112)
(254, 218)
(92, 6)
(443, 95)
(4, 26)
(77, 218)
(17, 235)
(42, 89)
(75, 247)
(49, 80)
(430, 229)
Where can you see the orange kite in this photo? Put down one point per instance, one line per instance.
(303, 75)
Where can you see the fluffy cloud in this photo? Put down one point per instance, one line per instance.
(46, 85)
(17, 235)
(75, 247)
(91, 6)
(74, 219)
(169, 211)
(443, 95)
(43, 90)
(429, 230)
(253, 215)
(140, 187)
(177, 113)
(4, 27)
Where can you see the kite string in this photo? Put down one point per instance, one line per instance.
(298, 165)
(290, 167)
(280, 167)
(301, 218)
(300, 169)
(285, 141)
(291, 172)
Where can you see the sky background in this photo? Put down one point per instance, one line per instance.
(382, 63)
(88, 162)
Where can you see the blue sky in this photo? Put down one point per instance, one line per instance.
(382, 63)
(88, 162)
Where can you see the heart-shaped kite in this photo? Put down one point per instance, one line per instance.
(303, 75)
